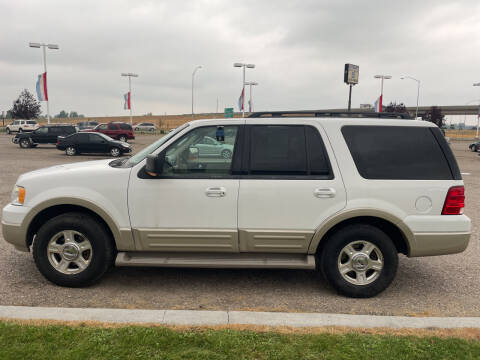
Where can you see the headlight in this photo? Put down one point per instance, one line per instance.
(18, 195)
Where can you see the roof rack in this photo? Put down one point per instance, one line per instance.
(333, 114)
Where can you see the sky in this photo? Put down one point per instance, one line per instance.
(299, 49)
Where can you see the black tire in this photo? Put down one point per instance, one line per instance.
(115, 152)
(137, 129)
(122, 138)
(71, 151)
(226, 154)
(20, 131)
(331, 252)
(474, 148)
(151, 130)
(103, 250)
(7, 130)
(24, 143)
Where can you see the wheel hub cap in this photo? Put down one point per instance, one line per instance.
(360, 262)
(70, 252)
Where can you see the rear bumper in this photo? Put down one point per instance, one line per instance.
(430, 244)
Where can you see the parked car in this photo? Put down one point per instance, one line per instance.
(22, 126)
(43, 135)
(280, 201)
(208, 146)
(119, 131)
(86, 125)
(145, 127)
(92, 143)
(475, 146)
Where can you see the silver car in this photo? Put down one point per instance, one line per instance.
(210, 147)
(145, 127)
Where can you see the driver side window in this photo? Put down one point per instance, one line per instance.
(187, 158)
(41, 131)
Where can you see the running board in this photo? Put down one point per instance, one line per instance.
(216, 260)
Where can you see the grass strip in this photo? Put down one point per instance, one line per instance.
(23, 341)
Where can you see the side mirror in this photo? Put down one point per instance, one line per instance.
(155, 163)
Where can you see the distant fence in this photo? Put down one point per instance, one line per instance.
(460, 134)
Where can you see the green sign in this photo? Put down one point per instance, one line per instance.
(228, 112)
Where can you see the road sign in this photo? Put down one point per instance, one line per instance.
(350, 75)
(228, 112)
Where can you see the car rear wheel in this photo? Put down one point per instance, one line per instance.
(226, 154)
(71, 151)
(7, 130)
(474, 148)
(359, 261)
(114, 151)
(151, 130)
(123, 138)
(20, 130)
(24, 143)
(73, 250)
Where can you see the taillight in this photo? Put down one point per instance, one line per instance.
(455, 201)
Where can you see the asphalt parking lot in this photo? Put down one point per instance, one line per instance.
(436, 286)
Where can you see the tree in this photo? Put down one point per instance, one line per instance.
(62, 114)
(435, 116)
(73, 114)
(396, 108)
(25, 107)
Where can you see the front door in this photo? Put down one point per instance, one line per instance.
(291, 185)
(192, 205)
(40, 135)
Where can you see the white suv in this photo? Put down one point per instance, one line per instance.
(21, 126)
(338, 193)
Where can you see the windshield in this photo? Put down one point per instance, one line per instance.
(134, 160)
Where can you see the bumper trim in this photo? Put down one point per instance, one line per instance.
(431, 244)
(14, 234)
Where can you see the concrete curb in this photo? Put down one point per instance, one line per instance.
(193, 317)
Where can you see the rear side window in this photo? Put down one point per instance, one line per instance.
(31, 122)
(282, 150)
(397, 153)
(125, 127)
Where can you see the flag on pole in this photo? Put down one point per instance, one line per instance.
(240, 100)
(126, 98)
(42, 93)
(378, 104)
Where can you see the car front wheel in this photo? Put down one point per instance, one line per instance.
(114, 151)
(226, 154)
(474, 148)
(73, 250)
(359, 261)
(7, 130)
(24, 143)
(71, 151)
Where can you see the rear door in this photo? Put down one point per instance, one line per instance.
(290, 185)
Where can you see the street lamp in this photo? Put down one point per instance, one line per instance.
(418, 90)
(130, 75)
(383, 77)
(478, 115)
(251, 83)
(242, 65)
(193, 77)
(43, 46)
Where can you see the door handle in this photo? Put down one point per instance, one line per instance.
(218, 191)
(325, 192)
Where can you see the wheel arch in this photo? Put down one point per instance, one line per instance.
(400, 234)
(122, 238)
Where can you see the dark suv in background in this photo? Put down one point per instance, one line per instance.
(116, 130)
(47, 134)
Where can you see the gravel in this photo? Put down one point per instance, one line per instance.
(431, 286)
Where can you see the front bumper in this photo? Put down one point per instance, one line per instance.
(13, 230)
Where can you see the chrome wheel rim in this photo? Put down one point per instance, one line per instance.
(226, 154)
(360, 262)
(115, 152)
(24, 143)
(71, 151)
(124, 139)
(69, 252)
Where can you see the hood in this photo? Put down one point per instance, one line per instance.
(63, 170)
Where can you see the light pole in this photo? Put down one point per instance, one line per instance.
(418, 90)
(251, 83)
(242, 65)
(478, 115)
(193, 77)
(130, 75)
(43, 46)
(383, 77)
